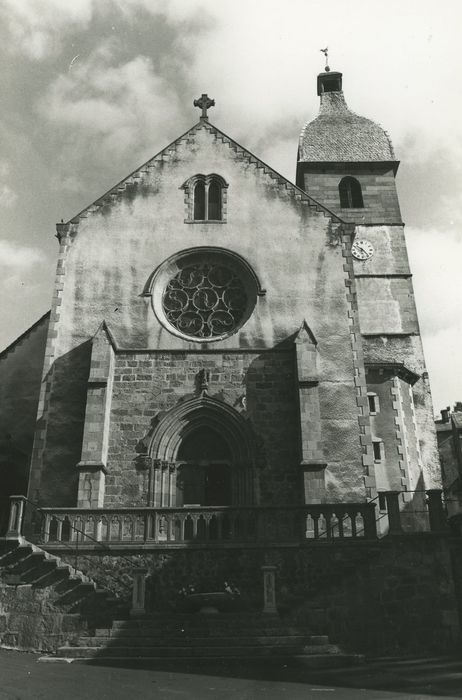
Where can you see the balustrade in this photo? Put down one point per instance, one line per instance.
(167, 526)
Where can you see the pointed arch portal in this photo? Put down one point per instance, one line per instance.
(202, 456)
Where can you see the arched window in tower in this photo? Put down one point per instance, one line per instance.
(351, 196)
(206, 198)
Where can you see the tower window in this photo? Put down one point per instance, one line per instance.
(351, 196)
(205, 199)
(373, 401)
(377, 446)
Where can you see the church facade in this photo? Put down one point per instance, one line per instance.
(235, 360)
(219, 336)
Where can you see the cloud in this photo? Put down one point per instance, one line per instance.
(15, 259)
(7, 196)
(429, 186)
(38, 27)
(109, 107)
(435, 258)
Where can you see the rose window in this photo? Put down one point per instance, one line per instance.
(205, 300)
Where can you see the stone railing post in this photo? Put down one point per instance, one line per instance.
(436, 514)
(370, 525)
(17, 508)
(269, 589)
(139, 592)
(394, 516)
(455, 524)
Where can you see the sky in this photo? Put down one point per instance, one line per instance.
(91, 89)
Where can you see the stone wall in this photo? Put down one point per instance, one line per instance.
(146, 385)
(108, 261)
(30, 621)
(395, 596)
(378, 186)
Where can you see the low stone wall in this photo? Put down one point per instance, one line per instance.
(398, 595)
(29, 620)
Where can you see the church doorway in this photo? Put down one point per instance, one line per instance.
(204, 470)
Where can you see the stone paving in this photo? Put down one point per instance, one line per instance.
(22, 677)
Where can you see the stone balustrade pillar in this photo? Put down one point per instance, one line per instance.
(394, 516)
(139, 593)
(17, 508)
(269, 589)
(436, 513)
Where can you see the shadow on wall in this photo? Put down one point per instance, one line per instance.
(270, 406)
(65, 425)
(414, 513)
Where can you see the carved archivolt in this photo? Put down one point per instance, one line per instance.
(200, 412)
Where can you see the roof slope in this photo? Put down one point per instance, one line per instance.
(21, 338)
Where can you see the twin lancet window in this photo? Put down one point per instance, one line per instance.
(206, 198)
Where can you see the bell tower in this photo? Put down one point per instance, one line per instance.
(346, 162)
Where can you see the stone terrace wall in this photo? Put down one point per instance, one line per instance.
(395, 596)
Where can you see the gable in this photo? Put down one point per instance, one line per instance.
(136, 181)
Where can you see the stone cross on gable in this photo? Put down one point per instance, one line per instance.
(204, 102)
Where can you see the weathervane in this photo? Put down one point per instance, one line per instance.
(326, 54)
(204, 102)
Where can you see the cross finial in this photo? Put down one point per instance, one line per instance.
(204, 102)
(326, 54)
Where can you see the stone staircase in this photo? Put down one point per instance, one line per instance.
(49, 606)
(196, 636)
(45, 602)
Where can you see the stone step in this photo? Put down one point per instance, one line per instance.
(28, 561)
(217, 618)
(321, 661)
(319, 639)
(300, 641)
(38, 570)
(196, 652)
(52, 578)
(198, 621)
(14, 554)
(76, 593)
(193, 631)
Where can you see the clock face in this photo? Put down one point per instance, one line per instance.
(362, 249)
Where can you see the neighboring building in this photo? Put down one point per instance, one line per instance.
(449, 435)
(234, 368)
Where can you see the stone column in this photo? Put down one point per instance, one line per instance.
(437, 516)
(394, 516)
(139, 592)
(17, 507)
(269, 589)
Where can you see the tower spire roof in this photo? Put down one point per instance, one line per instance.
(338, 134)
